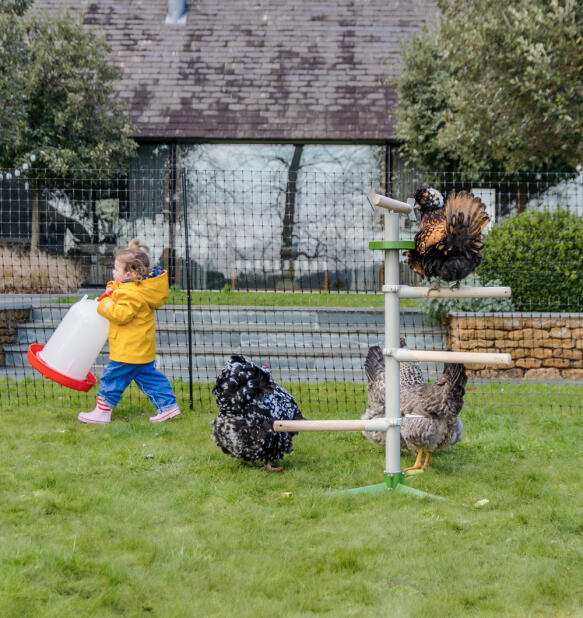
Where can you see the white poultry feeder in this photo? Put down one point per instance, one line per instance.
(69, 354)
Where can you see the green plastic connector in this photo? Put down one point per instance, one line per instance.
(391, 244)
(392, 480)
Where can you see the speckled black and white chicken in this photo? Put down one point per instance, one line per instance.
(249, 400)
(448, 243)
(374, 366)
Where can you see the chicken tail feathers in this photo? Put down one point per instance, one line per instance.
(465, 217)
(455, 375)
(374, 365)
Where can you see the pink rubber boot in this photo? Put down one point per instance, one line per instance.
(164, 416)
(100, 415)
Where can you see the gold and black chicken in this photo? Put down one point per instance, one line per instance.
(449, 242)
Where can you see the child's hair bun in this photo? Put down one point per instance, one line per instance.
(136, 244)
(135, 259)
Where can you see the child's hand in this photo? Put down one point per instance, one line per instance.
(108, 292)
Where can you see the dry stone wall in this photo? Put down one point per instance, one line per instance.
(9, 321)
(543, 346)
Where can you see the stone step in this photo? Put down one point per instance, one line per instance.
(269, 319)
(345, 364)
(175, 341)
(236, 334)
(206, 368)
(208, 375)
(221, 314)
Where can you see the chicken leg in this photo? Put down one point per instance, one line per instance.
(270, 468)
(434, 287)
(417, 465)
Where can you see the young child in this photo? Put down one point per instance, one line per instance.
(134, 294)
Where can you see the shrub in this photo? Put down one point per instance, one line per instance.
(437, 309)
(539, 254)
(39, 272)
(215, 280)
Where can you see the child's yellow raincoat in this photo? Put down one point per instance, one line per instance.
(130, 311)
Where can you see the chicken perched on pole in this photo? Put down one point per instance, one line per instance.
(449, 241)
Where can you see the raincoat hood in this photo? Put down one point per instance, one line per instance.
(153, 289)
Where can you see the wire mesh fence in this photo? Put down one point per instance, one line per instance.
(276, 266)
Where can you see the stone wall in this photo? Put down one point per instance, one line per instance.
(9, 321)
(543, 346)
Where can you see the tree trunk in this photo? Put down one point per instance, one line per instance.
(522, 196)
(34, 219)
(286, 252)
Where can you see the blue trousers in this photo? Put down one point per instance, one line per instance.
(118, 376)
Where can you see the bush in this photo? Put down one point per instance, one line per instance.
(215, 280)
(437, 309)
(38, 273)
(539, 254)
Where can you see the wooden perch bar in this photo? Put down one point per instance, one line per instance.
(406, 291)
(377, 424)
(388, 202)
(420, 356)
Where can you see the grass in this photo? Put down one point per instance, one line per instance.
(271, 298)
(134, 519)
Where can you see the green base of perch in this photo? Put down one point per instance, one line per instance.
(393, 482)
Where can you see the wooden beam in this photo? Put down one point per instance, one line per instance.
(473, 358)
(376, 424)
(388, 202)
(406, 291)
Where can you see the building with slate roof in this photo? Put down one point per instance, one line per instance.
(257, 71)
(275, 109)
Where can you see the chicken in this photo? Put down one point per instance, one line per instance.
(431, 413)
(374, 366)
(425, 408)
(249, 401)
(448, 243)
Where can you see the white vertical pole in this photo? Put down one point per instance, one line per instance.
(392, 327)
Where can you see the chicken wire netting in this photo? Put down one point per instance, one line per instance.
(276, 266)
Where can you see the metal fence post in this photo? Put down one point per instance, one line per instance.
(184, 201)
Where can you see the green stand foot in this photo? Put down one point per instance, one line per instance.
(405, 489)
(369, 489)
(393, 482)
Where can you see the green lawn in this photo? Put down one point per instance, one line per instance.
(262, 298)
(136, 519)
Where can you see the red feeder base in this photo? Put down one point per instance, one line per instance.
(48, 372)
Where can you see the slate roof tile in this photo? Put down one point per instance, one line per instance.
(257, 69)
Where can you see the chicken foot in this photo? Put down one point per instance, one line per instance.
(434, 287)
(417, 465)
(270, 468)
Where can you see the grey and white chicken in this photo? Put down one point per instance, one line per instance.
(249, 400)
(374, 366)
(430, 412)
